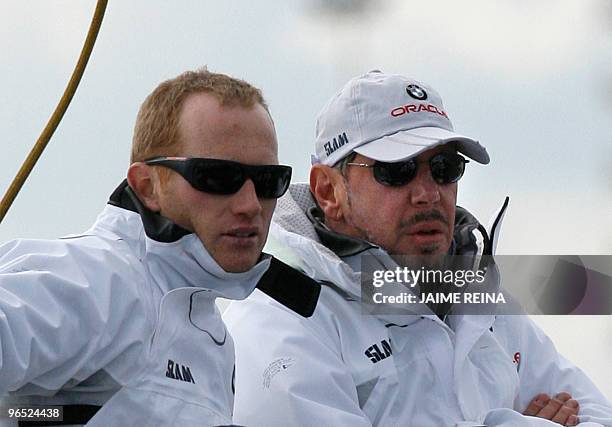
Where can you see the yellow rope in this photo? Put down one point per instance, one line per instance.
(57, 115)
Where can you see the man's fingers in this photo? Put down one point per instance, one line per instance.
(573, 420)
(563, 414)
(551, 409)
(558, 409)
(563, 396)
(536, 404)
(573, 404)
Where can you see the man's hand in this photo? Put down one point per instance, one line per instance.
(561, 409)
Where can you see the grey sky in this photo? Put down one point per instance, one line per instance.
(530, 79)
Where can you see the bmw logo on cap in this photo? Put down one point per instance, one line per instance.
(416, 92)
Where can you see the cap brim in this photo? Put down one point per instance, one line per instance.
(409, 143)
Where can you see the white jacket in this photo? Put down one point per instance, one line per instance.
(340, 367)
(119, 318)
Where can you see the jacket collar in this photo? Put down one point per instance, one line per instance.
(341, 245)
(156, 226)
(173, 256)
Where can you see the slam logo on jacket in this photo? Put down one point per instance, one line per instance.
(176, 371)
(376, 353)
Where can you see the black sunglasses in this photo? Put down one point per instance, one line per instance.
(226, 177)
(445, 168)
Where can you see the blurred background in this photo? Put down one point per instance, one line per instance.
(532, 80)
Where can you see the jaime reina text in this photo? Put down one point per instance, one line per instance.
(441, 298)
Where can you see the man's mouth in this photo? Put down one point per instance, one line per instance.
(429, 228)
(427, 232)
(243, 234)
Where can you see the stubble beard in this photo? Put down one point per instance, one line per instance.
(363, 233)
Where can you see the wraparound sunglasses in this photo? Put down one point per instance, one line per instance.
(226, 177)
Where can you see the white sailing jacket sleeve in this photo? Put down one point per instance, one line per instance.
(543, 370)
(290, 371)
(54, 325)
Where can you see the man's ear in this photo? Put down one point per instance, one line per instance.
(145, 182)
(326, 186)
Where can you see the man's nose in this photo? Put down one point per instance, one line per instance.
(424, 191)
(245, 201)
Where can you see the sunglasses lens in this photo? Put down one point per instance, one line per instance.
(394, 174)
(271, 181)
(215, 177)
(447, 168)
(226, 177)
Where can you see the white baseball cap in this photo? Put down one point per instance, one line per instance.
(388, 118)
